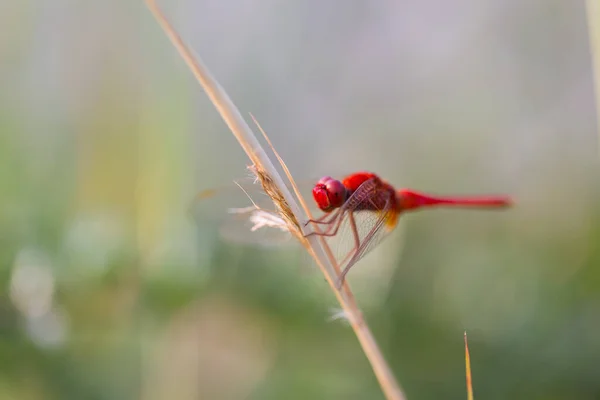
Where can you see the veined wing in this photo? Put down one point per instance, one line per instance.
(367, 217)
(243, 214)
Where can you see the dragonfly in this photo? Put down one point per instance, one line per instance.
(365, 209)
(358, 212)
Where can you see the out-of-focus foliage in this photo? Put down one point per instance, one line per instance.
(109, 290)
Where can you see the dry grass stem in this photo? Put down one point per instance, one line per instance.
(286, 204)
(306, 209)
(468, 370)
(593, 17)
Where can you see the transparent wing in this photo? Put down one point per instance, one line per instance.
(242, 213)
(366, 218)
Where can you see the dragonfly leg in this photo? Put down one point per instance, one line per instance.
(324, 219)
(333, 228)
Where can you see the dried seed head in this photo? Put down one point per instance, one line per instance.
(284, 210)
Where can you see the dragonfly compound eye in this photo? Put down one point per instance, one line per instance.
(336, 193)
(329, 193)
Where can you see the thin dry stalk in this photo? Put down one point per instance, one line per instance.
(289, 210)
(468, 370)
(593, 17)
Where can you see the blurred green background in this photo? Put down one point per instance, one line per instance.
(110, 290)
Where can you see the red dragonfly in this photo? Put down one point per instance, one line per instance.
(366, 208)
(359, 212)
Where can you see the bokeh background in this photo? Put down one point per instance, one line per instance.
(110, 289)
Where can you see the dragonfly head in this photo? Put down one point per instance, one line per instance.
(329, 193)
